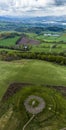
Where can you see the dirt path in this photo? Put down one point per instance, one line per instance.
(28, 122)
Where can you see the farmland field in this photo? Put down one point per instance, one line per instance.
(36, 43)
(9, 41)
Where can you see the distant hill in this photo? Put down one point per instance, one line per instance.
(39, 30)
(33, 24)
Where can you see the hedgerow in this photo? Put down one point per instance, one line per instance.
(9, 56)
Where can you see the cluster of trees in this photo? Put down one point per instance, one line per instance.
(8, 56)
(39, 30)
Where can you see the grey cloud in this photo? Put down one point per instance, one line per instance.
(51, 7)
(4, 7)
(60, 2)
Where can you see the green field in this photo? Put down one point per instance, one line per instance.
(31, 71)
(48, 47)
(9, 41)
(47, 43)
(42, 37)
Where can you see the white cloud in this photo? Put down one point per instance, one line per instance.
(32, 7)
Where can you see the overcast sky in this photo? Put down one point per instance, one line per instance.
(32, 7)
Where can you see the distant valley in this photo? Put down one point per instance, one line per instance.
(33, 24)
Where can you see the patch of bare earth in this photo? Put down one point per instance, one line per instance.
(61, 89)
(25, 41)
(14, 88)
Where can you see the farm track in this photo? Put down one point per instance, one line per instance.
(14, 87)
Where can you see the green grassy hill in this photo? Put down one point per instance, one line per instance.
(31, 71)
(37, 74)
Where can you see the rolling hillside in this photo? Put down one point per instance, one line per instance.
(31, 71)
